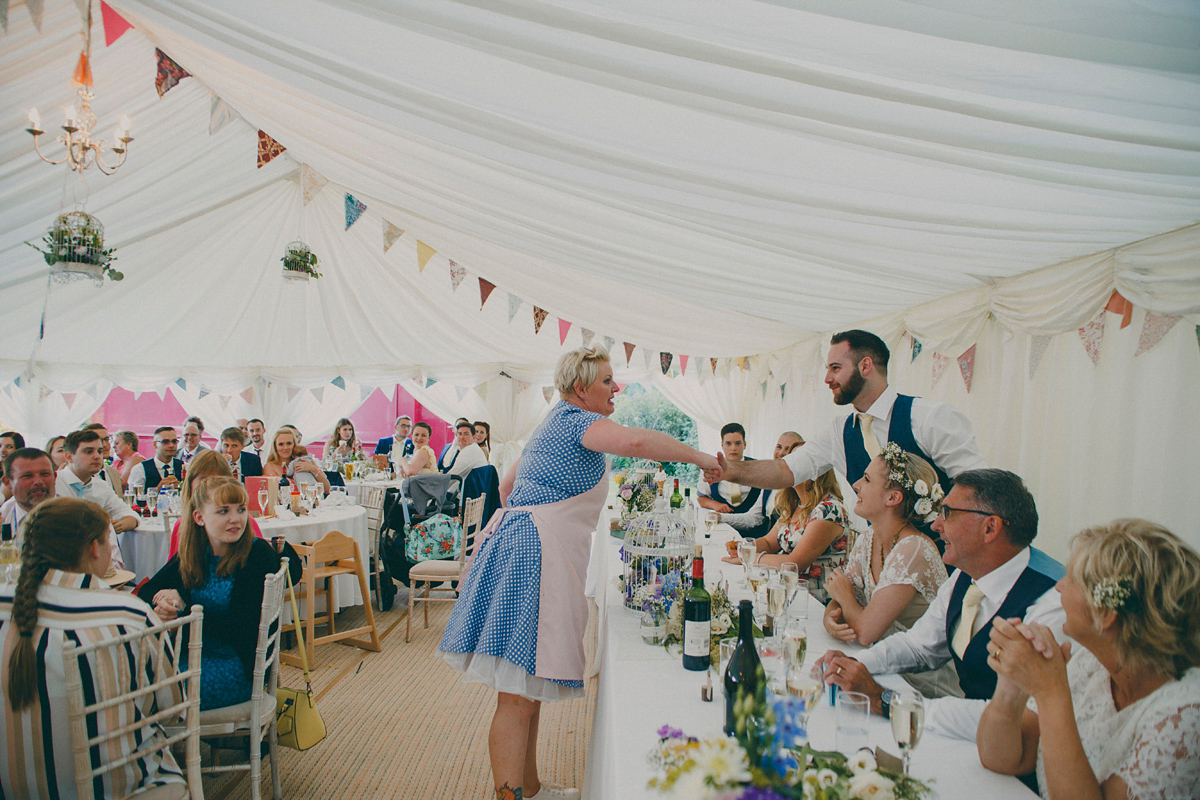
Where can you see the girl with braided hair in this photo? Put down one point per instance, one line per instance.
(59, 598)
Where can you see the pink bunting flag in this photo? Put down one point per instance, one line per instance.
(114, 24)
(522, 385)
(247, 395)
(1154, 328)
(268, 148)
(539, 316)
(485, 291)
(628, 352)
(563, 328)
(966, 365)
(1092, 335)
(457, 274)
(939, 366)
(69, 398)
(683, 365)
(170, 73)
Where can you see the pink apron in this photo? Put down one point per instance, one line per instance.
(565, 531)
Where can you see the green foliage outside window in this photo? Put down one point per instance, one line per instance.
(638, 407)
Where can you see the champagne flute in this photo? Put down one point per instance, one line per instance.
(908, 721)
(795, 641)
(262, 501)
(746, 550)
(757, 578)
(789, 573)
(710, 521)
(801, 684)
(776, 601)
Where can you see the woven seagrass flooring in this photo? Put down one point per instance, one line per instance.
(403, 725)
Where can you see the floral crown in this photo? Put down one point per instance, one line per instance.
(928, 499)
(1112, 593)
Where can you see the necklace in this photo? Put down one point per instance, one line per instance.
(885, 550)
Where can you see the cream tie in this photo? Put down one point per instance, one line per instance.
(870, 443)
(970, 608)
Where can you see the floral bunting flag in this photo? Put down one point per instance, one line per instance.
(424, 253)
(608, 344)
(114, 24)
(203, 394)
(1154, 328)
(390, 234)
(1117, 304)
(713, 362)
(311, 183)
(1092, 335)
(587, 336)
(268, 148)
(339, 383)
(563, 328)
(664, 361)
(461, 392)
(319, 393)
(514, 305)
(966, 365)
(547, 393)
(220, 114)
(1037, 349)
(291, 393)
(916, 349)
(457, 274)
(628, 352)
(522, 385)
(170, 73)
(539, 316)
(35, 12)
(939, 366)
(683, 365)
(354, 209)
(224, 399)
(247, 395)
(486, 288)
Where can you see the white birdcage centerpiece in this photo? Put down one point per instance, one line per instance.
(75, 249)
(657, 556)
(299, 262)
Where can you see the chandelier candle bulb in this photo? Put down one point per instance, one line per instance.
(35, 120)
(69, 116)
(124, 125)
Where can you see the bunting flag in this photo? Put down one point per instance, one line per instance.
(311, 183)
(664, 362)
(390, 234)
(966, 365)
(319, 393)
(683, 365)
(424, 253)
(713, 362)
(514, 305)
(170, 73)
(161, 392)
(539, 316)
(939, 366)
(1092, 335)
(782, 392)
(916, 349)
(587, 336)
(268, 148)
(547, 392)
(35, 11)
(1117, 304)
(648, 358)
(1154, 328)
(220, 114)
(430, 382)
(628, 352)
(83, 72)
(69, 398)
(181, 383)
(114, 24)
(743, 363)
(457, 274)
(1198, 335)
(486, 288)
(563, 328)
(482, 390)
(291, 393)
(354, 209)
(461, 392)
(365, 392)
(247, 395)
(764, 390)
(339, 383)
(522, 385)
(224, 399)
(204, 393)
(1037, 349)
(608, 344)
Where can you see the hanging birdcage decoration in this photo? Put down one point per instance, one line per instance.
(299, 262)
(75, 249)
(657, 549)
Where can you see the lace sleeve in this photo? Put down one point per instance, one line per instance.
(857, 565)
(914, 561)
(1165, 759)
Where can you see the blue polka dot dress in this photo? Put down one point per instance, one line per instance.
(493, 633)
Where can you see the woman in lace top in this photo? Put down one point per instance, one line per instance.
(894, 570)
(1121, 718)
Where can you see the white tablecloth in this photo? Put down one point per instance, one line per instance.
(145, 548)
(354, 488)
(643, 687)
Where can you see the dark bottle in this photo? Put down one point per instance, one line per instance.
(676, 497)
(697, 619)
(745, 669)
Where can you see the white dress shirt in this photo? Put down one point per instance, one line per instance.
(97, 490)
(941, 430)
(13, 515)
(743, 521)
(137, 475)
(468, 459)
(448, 456)
(186, 455)
(924, 646)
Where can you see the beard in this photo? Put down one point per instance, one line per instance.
(849, 391)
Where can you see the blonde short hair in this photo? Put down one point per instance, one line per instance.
(578, 367)
(1158, 623)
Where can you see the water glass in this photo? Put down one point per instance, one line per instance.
(853, 715)
(724, 653)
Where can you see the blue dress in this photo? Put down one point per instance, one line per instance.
(492, 633)
(223, 678)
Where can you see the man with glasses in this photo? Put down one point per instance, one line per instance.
(398, 446)
(164, 469)
(987, 521)
(193, 429)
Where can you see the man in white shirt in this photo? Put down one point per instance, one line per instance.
(988, 522)
(28, 473)
(469, 455)
(258, 440)
(742, 507)
(164, 469)
(80, 477)
(193, 429)
(450, 451)
(111, 474)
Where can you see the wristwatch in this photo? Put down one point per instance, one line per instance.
(885, 699)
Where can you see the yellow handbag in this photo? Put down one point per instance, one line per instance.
(297, 720)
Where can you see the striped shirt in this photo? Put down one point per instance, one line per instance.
(36, 760)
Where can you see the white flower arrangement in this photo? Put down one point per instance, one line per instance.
(1112, 593)
(928, 498)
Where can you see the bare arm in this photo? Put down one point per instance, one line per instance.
(606, 436)
(506, 485)
(1008, 733)
(415, 464)
(885, 606)
(763, 473)
(817, 537)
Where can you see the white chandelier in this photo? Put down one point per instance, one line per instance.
(81, 149)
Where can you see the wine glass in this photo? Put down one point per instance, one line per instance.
(802, 684)
(262, 501)
(776, 601)
(908, 721)
(756, 576)
(789, 574)
(795, 641)
(746, 550)
(710, 521)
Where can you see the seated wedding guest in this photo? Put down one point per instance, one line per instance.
(811, 532)
(244, 465)
(57, 453)
(258, 440)
(988, 521)
(162, 471)
(1121, 718)
(423, 461)
(28, 475)
(398, 446)
(244, 426)
(10, 441)
(59, 598)
(81, 478)
(286, 462)
(742, 507)
(220, 566)
(209, 464)
(450, 450)
(344, 441)
(787, 442)
(125, 445)
(111, 473)
(483, 438)
(193, 430)
(469, 455)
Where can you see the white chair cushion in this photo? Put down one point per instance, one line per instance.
(435, 570)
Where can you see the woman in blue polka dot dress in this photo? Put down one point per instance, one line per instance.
(519, 621)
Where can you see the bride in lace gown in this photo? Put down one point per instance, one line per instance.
(894, 570)
(1119, 718)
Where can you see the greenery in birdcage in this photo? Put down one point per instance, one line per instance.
(297, 257)
(78, 238)
(657, 549)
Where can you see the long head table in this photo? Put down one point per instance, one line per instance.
(641, 687)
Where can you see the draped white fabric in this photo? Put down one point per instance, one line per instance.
(39, 413)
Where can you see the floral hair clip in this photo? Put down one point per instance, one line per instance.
(897, 460)
(1112, 593)
(928, 499)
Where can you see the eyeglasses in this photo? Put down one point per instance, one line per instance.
(168, 441)
(945, 510)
